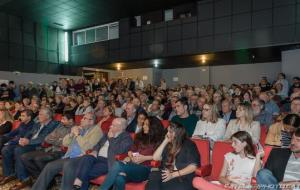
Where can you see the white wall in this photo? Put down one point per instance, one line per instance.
(24, 78)
(134, 73)
(190, 76)
(245, 73)
(291, 63)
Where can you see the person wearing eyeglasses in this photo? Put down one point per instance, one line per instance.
(210, 125)
(81, 139)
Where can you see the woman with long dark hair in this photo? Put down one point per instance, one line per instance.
(179, 159)
(239, 166)
(136, 167)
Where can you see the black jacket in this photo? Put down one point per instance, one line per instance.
(277, 162)
(118, 145)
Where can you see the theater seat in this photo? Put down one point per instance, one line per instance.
(16, 124)
(78, 119)
(204, 151)
(219, 150)
(165, 123)
(57, 117)
(263, 135)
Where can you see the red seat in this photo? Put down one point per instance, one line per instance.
(46, 145)
(57, 117)
(165, 123)
(219, 150)
(132, 135)
(263, 135)
(16, 124)
(78, 119)
(204, 151)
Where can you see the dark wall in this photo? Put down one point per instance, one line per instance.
(30, 47)
(219, 25)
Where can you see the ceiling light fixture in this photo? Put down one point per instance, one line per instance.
(203, 59)
(118, 66)
(156, 62)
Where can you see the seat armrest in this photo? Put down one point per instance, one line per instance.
(120, 157)
(204, 171)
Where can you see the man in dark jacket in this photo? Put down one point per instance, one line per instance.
(14, 136)
(11, 153)
(101, 159)
(282, 168)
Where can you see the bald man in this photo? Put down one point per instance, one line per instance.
(101, 159)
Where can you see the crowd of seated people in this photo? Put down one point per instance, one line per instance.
(77, 130)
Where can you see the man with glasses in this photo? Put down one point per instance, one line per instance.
(260, 114)
(81, 139)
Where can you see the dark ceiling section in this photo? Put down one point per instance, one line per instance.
(257, 55)
(75, 14)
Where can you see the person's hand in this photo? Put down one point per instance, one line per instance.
(127, 159)
(23, 141)
(166, 175)
(75, 131)
(138, 159)
(110, 134)
(260, 154)
(93, 153)
(167, 138)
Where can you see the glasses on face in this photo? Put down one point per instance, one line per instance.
(86, 118)
(206, 109)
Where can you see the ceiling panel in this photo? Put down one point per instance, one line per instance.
(76, 14)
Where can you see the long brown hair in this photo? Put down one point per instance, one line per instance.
(174, 147)
(155, 136)
(244, 136)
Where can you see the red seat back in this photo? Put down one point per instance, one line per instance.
(267, 150)
(16, 124)
(263, 135)
(57, 117)
(165, 123)
(132, 135)
(203, 148)
(78, 119)
(219, 150)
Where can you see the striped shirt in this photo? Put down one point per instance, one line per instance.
(285, 139)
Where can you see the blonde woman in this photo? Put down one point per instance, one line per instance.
(6, 121)
(210, 125)
(244, 122)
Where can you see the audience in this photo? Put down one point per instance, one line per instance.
(35, 161)
(139, 157)
(281, 170)
(260, 114)
(12, 164)
(14, 136)
(226, 112)
(239, 166)
(6, 120)
(179, 160)
(210, 126)
(280, 133)
(245, 107)
(183, 117)
(81, 139)
(244, 122)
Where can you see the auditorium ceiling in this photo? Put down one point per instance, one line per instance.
(76, 14)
